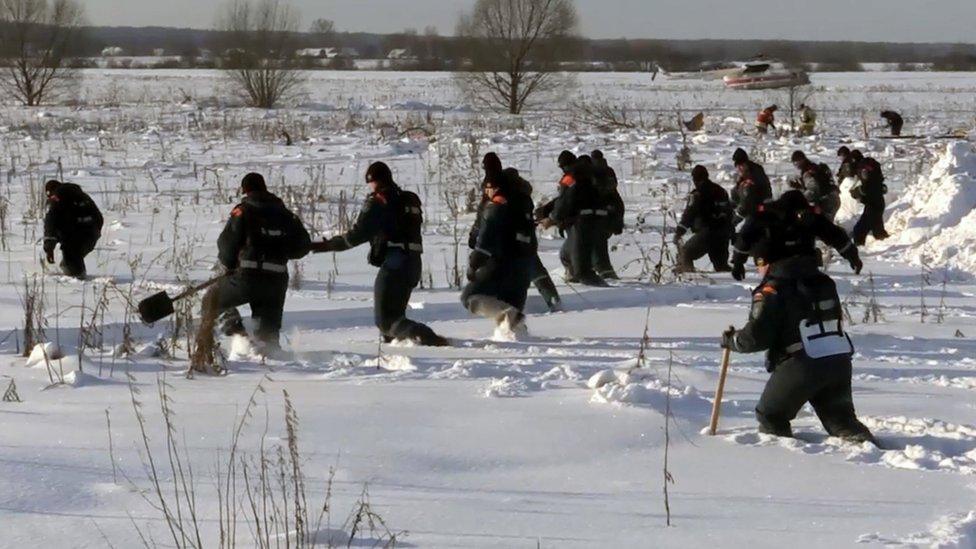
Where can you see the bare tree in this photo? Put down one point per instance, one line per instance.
(323, 28)
(259, 58)
(35, 38)
(512, 46)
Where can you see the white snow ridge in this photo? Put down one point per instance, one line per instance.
(934, 219)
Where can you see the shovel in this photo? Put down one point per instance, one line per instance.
(159, 306)
(717, 404)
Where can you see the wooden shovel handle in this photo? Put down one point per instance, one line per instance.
(190, 291)
(717, 405)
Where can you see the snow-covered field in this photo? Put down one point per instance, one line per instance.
(554, 440)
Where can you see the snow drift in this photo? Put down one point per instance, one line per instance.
(934, 221)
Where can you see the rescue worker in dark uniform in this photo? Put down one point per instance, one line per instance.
(390, 220)
(816, 183)
(847, 162)
(798, 225)
(894, 121)
(708, 215)
(257, 242)
(574, 210)
(796, 318)
(73, 221)
(610, 215)
(870, 191)
(539, 274)
(752, 187)
(502, 261)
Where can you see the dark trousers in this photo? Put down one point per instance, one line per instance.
(509, 282)
(543, 282)
(395, 282)
(715, 243)
(265, 293)
(825, 383)
(577, 251)
(870, 222)
(73, 256)
(601, 251)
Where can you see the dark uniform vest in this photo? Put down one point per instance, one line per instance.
(262, 234)
(402, 227)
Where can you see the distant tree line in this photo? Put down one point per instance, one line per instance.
(434, 51)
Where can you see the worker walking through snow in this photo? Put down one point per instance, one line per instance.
(796, 318)
(390, 221)
(708, 216)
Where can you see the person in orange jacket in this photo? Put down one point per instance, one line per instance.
(766, 119)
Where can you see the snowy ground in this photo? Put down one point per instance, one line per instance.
(555, 440)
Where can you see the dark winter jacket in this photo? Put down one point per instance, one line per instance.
(846, 169)
(796, 314)
(708, 208)
(506, 235)
(391, 219)
(72, 216)
(262, 234)
(816, 182)
(895, 121)
(751, 191)
(776, 233)
(605, 179)
(577, 198)
(871, 188)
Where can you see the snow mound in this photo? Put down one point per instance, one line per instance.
(644, 388)
(510, 386)
(77, 379)
(42, 353)
(392, 363)
(935, 217)
(850, 209)
(951, 531)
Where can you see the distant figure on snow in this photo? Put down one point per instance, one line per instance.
(766, 119)
(73, 221)
(708, 216)
(894, 121)
(808, 120)
(870, 190)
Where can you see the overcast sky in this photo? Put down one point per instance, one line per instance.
(868, 20)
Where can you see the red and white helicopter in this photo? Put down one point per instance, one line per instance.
(758, 73)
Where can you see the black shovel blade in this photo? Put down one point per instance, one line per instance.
(155, 307)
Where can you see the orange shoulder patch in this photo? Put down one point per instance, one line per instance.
(769, 290)
(380, 197)
(567, 181)
(237, 212)
(499, 199)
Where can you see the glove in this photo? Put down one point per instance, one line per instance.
(678, 234)
(546, 222)
(50, 256)
(728, 338)
(738, 271)
(321, 247)
(854, 259)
